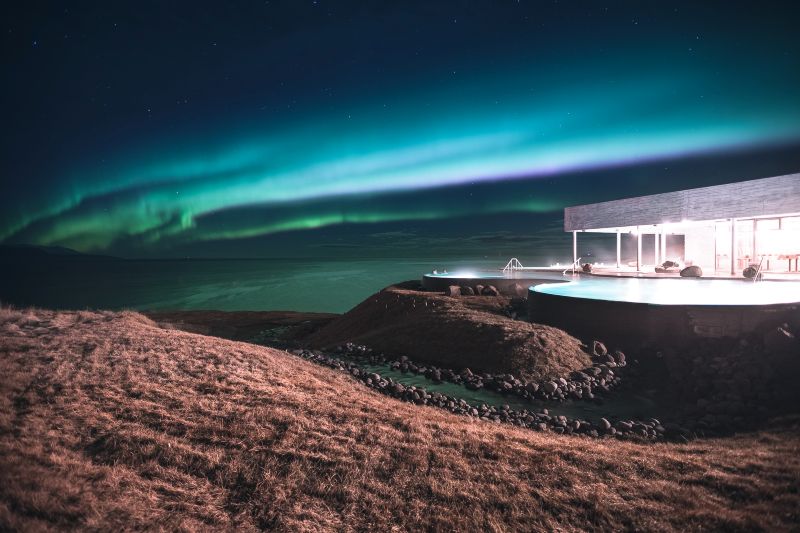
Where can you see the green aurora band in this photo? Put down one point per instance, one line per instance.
(325, 167)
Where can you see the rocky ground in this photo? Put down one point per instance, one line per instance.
(733, 384)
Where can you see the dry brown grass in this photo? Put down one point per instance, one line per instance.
(285, 326)
(108, 421)
(468, 331)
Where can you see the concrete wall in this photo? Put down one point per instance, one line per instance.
(767, 196)
(632, 325)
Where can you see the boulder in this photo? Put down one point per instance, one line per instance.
(599, 349)
(669, 264)
(519, 291)
(467, 291)
(453, 291)
(587, 267)
(750, 272)
(693, 271)
(623, 426)
(491, 290)
(479, 289)
(550, 387)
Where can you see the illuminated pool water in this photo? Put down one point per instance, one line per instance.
(498, 274)
(504, 281)
(692, 292)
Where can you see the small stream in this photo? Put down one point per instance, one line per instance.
(620, 404)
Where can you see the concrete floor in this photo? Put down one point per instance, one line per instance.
(648, 272)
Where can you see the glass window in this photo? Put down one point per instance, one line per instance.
(790, 223)
(767, 224)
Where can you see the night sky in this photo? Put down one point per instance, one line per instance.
(161, 129)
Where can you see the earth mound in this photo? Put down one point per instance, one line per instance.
(455, 332)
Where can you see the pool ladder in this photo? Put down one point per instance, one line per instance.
(512, 265)
(758, 276)
(572, 267)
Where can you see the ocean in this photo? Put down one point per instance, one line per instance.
(322, 285)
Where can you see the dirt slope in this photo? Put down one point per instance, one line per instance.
(467, 331)
(109, 422)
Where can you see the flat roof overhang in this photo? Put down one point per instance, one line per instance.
(681, 226)
(766, 197)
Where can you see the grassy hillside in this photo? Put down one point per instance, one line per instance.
(108, 421)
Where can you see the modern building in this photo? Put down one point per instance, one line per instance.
(723, 229)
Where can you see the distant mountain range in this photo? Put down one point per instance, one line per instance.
(23, 252)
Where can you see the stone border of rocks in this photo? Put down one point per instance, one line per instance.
(579, 385)
(651, 430)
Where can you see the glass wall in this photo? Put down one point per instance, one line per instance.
(774, 242)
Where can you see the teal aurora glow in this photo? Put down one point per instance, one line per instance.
(519, 117)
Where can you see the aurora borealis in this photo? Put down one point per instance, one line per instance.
(144, 133)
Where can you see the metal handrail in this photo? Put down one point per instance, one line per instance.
(512, 265)
(572, 266)
(758, 270)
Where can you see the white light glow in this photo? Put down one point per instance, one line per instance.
(678, 291)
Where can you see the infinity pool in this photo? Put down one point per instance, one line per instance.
(506, 282)
(548, 274)
(677, 291)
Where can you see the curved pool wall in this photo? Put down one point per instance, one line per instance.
(504, 282)
(631, 312)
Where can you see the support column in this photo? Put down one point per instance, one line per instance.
(619, 248)
(638, 249)
(733, 247)
(574, 248)
(656, 248)
(663, 245)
